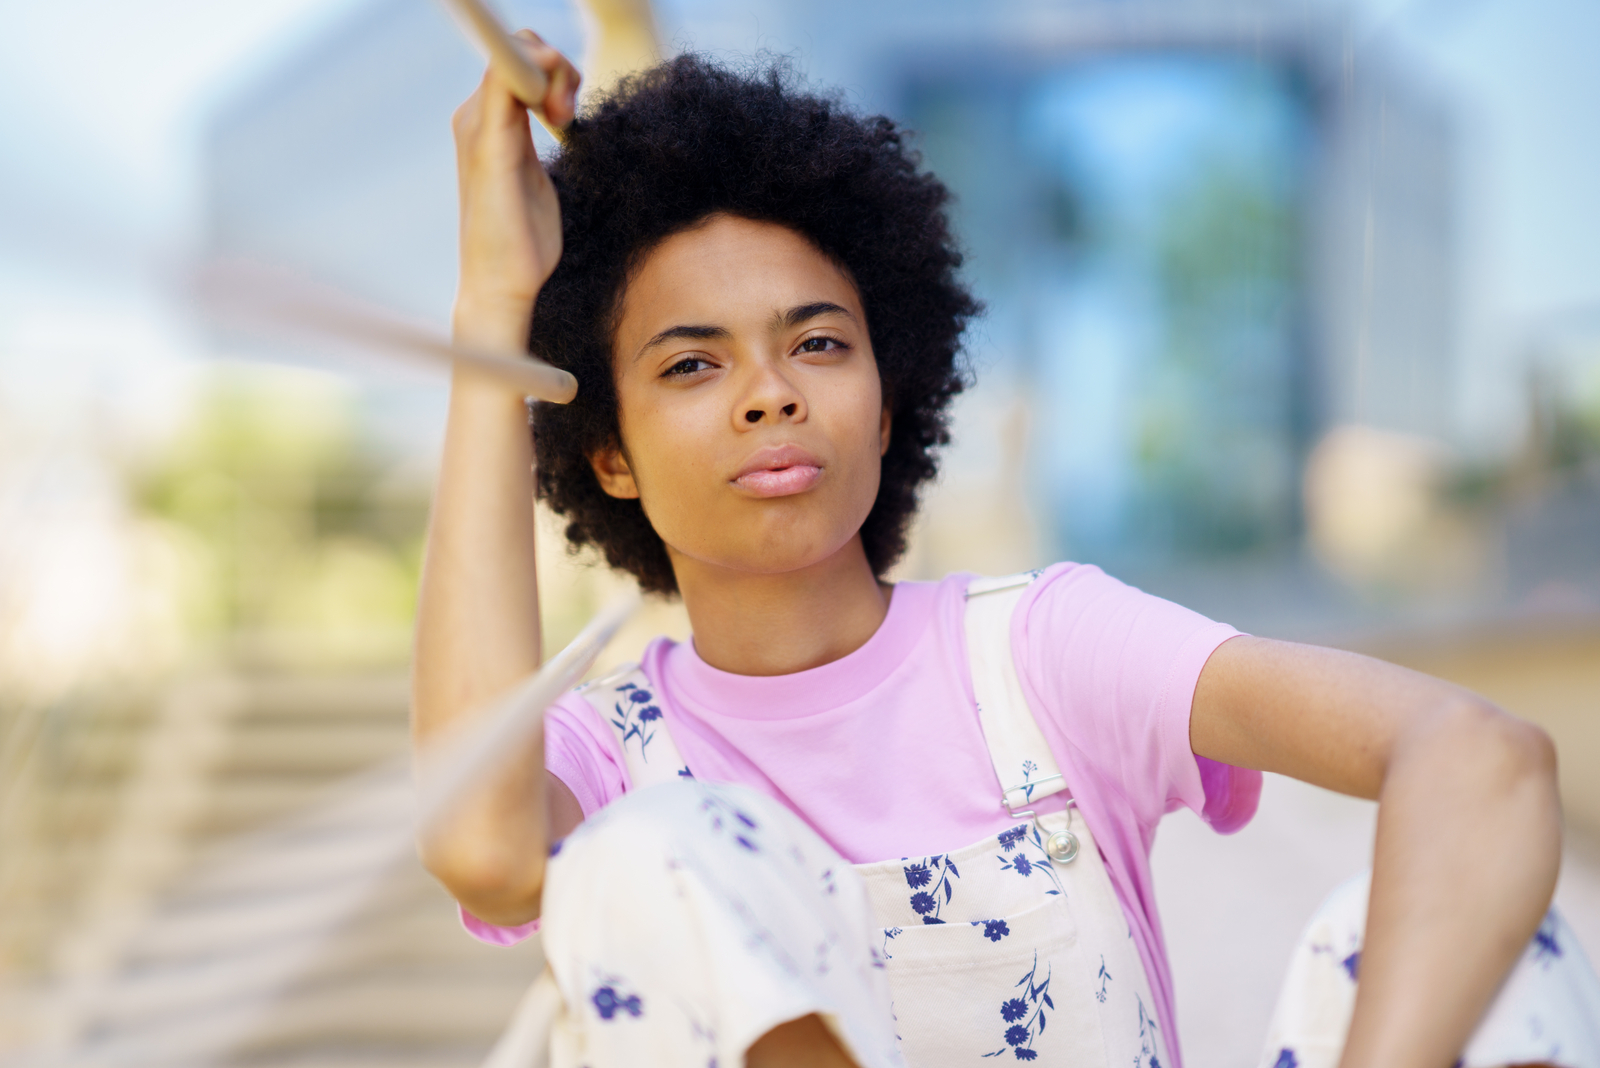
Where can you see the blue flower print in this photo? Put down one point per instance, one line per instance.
(1104, 977)
(885, 955)
(936, 873)
(1031, 840)
(1025, 1014)
(1546, 946)
(607, 1002)
(634, 722)
(1348, 962)
(1147, 1039)
(889, 933)
(726, 816)
(994, 930)
(1028, 768)
(1286, 1059)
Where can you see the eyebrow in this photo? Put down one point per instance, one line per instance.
(786, 320)
(805, 312)
(686, 333)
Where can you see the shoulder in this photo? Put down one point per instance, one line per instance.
(1087, 641)
(627, 683)
(581, 746)
(1081, 605)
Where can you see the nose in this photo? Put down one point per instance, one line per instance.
(755, 415)
(771, 397)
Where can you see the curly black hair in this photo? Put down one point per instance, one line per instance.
(691, 138)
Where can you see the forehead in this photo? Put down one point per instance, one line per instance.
(730, 272)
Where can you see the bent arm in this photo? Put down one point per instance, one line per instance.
(478, 609)
(1469, 824)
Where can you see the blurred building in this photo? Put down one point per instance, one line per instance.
(1206, 232)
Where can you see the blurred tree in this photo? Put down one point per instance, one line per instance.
(304, 526)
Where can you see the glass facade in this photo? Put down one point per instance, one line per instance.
(1136, 223)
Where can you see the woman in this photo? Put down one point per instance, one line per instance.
(757, 292)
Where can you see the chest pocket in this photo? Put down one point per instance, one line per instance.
(1013, 947)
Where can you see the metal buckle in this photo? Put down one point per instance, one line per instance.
(1060, 846)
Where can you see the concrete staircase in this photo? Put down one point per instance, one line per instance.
(254, 898)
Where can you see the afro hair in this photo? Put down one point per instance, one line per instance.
(691, 138)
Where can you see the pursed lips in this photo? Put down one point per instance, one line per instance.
(779, 472)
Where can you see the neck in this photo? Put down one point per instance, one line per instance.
(752, 624)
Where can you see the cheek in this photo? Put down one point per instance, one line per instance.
(669, 448)
(860, 428)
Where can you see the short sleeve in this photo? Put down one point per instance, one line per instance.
(1114, 670)
(578, 751)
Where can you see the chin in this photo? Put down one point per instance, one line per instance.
(772, 552)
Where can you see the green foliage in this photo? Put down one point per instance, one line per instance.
(299, 524)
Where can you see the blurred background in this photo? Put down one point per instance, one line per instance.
(1294, 317)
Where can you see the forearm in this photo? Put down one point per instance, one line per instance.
(478, 609)
(478, 623)
(1467, 851)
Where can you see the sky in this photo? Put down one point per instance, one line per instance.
(101, 103)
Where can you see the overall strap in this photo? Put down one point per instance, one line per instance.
(625, 702)
(1023, 762)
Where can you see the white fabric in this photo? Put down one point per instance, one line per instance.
(525, 1043)
(1022, 761)
(622, 700)
(1547, 1011)
(685, 920)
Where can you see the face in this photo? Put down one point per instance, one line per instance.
(751, 412)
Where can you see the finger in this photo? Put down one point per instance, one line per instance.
(560, 102)
(556, 107)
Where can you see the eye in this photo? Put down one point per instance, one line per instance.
(821, 344)
(687, 366)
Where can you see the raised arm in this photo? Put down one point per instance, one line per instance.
(478, 613)
(1469, 825)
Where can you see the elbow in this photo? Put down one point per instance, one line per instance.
(1524, 753)
(1492, 750)
(492, 885)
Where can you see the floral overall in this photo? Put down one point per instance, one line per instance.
(687, 919)
(1012, 948)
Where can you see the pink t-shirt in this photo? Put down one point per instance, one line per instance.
(881, 752)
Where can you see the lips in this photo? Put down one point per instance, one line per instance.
(779, 471)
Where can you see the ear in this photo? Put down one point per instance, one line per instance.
(613, 472)
(885, 421)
